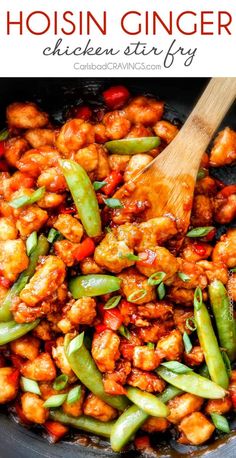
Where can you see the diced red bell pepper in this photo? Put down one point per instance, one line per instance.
(228, 191)
(21, 415)
(116, 97)
(142, 442)
(2, 148)
(86, 248)
(17, 361)
(112, 181)
(233, 397)
(113, 319)
(100, 328)
(210, 236)
(56, 430)
(14, 376)
(5, 282)
(147, 258)
(199, 249)
(82, 112)
(49, 345)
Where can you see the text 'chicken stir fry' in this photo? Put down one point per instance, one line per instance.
(104, 325)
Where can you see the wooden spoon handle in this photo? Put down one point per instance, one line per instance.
(205, 118)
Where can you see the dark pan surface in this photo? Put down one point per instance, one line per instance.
(52, 94)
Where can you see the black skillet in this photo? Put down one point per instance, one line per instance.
(54, 93)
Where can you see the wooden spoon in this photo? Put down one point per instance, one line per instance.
(167, 183)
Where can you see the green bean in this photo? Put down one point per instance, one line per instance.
(93, 285)
(192, 383)
(133, 418)
(40, 250)
(83, 365)
(11, 331)
(210, 347)
(147, 402)
(132, 145)
(83, 422)
(223, 314)
(83, 195)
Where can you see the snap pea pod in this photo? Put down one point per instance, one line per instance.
(11, 331)
(132, 145)
(40, 250)
(192, 383)
(93, 285)
(133, 418)
(210, 347)
(83, 195)
(83, 365)
(84, 423)
(149, 403)
(223, 314)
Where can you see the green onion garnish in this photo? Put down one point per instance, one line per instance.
(112, 302)
(220, 422)
(31, 243)
(197, 301)
(156, 278)
(55, 401)
(187, 342)
(183, 276)
(177, 367)
(76, 343)
(98, 185)
(130, 256)
(161, 291)
(60, 382)
(53, 235)
(74, 394)
(28, 200)
(4, 134)
(201, 174)
(200, 231)
(124, 332)
(151, 345)
(191, 327)
(31, 386)
(137, 295)
(113, 203)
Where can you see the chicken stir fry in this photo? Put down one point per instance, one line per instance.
(103, 321)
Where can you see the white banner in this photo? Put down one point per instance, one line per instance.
(90, 38)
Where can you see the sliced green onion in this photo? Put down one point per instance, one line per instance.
(60, 382)
(124, 332)
(200, 231)
(74, 394)
(53, 235)
(187, 342)
(113, 203)
(108, 229)
(201, 174)
(30, 386)
(28, 200)
(156, 278)
(112, 302)
(31, 243)
(226, 362)
(130, 256)
(98, 185)
(220, 422)
(233, 270)
(188, 323)
(151, 345)
(4, 134)
(176, 367)
(55, 401)
(137, 295)
(183, 276)
(76, 343)
(161, 291)
(197, 298)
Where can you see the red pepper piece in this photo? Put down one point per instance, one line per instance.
(5, 282)
(2, 148)
(100, 328)
(199, 249)
(56, 430)
(113, 319)
(142, 442)
(233, 398)
(82, 112)
(14, 376)
(116, 96)
(210, 236)
(112, 181)
(86, 248)
(67, 210)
